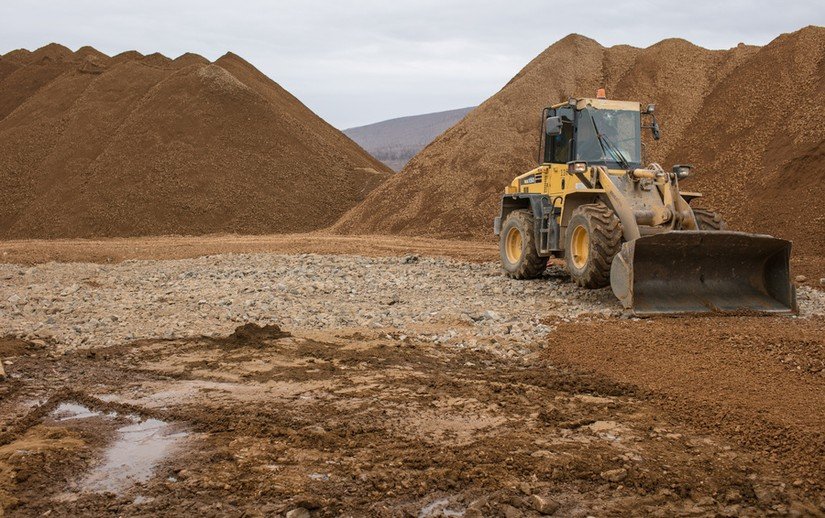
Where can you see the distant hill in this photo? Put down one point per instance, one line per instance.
(396, 141)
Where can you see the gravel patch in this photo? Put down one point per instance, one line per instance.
(439, 300)
(436, 300)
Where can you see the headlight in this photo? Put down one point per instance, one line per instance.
(576, 167)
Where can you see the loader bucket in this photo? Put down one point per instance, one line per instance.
(704, 272)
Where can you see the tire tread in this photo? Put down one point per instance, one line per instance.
(532, 265)
(605, 242)
(709, 220)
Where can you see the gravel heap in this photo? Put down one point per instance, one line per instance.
(436, 300)
(145, 145)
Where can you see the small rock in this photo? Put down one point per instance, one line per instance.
(510, 511)
(544, 505)
(731, 511)
(614, 475)
(298, 512)
(801, 279)
(517, 502)
(764, 495)
(542, 453)
(2, 372)
(70, 290)
(733, 496)
(822, 281)
(491, 315)
(706, 501)
(14, 299)
(409, 259)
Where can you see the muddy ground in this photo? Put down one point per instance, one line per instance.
(597, 414)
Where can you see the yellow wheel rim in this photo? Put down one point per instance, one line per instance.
(580, 247)
(512, 245)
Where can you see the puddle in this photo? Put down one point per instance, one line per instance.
(139, 446)
(132, 458)
(72, 411)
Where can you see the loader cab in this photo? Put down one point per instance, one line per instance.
(596, 131)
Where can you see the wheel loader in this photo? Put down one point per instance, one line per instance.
(614, 222)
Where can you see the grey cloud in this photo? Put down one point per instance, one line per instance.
(359, 61)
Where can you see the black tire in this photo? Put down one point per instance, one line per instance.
(709, 220)
(523, 260)
(598, 235)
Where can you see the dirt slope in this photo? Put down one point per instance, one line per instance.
(768, 145)
(452, 188)
(146, 145)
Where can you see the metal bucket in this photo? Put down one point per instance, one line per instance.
(704, 272)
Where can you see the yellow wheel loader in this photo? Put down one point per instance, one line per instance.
(591, 202)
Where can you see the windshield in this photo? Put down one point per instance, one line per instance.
(621, 137)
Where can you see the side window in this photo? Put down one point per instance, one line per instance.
(557, 149)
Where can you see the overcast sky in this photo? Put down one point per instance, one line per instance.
(360, 61)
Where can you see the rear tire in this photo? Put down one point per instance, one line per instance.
(594, 237)
(517, 247)
(709, 220)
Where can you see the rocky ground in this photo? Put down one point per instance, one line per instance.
(393, 385)
(437, 300)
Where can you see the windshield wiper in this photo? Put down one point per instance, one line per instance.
(603, 141)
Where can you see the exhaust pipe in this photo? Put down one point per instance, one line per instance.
(684, 272)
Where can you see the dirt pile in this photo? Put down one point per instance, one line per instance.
(146, 145)
(760, 142)
(754, 111)
(253, 335)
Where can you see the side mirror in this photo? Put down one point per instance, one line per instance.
(656, 133)
(553, 126)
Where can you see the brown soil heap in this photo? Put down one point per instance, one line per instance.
(145, 145)
(750, 118)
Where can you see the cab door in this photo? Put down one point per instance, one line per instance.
(557, 151)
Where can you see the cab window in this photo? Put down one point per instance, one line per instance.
(557, 149)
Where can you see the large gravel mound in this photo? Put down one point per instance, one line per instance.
(145, 145)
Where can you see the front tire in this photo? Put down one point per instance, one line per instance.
(594, 237)
(517, 247)
(709, 220)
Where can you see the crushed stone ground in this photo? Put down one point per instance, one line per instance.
(398, 386)
(439, 300)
